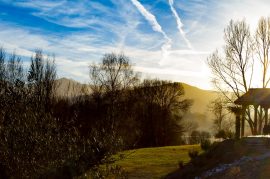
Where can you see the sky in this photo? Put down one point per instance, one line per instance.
(165, 39)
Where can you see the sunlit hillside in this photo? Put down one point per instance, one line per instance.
(199, 111)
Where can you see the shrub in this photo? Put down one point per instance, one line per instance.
(108, 171)
(181, 164)
(206, 145)
(193, 154)
(224, 134)
(266, 129)
(197, 137)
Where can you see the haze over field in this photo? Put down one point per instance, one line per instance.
(165, 39)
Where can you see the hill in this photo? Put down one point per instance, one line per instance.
(199, 113)
(201, 98)
(70, 88)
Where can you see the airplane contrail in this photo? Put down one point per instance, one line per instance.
(179, 24)
(155, 25)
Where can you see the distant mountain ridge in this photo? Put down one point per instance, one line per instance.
(69, 87)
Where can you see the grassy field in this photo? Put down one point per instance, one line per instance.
(153, 162)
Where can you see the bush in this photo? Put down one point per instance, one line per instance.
(224, 134)
(181, 164)
(266, 129)
(206, 145)
(198, 137)
(193, 154)
(108, 171)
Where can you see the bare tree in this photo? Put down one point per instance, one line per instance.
(114, 73)
(41, 79)
(262, 45)
(218, 108)
(233, 72)
(2, 65)
(110, 78)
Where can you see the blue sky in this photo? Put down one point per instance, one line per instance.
(167, 39)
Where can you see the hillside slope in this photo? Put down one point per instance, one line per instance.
(199, 112)
(70, 88)
(201, 98)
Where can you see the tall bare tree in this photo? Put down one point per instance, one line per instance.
(110, 78)
(217, 108)
(262, 45)
(41, 78)
(242, 53)
(233, 71)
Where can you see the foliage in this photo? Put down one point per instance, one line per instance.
(180, 164)
(152, 110)
(193, 154)
(206, 145)
(161, 106)
(224, 134)
(197, 137)
(110, 171)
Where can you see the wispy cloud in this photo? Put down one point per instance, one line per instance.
(179, 24)
(80, 32)
(155, 26)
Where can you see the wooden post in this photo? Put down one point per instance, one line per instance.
(255, 119)
(243, 121)
(237, 126)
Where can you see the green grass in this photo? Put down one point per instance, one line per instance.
(153, 162)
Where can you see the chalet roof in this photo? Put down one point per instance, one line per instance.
(255, 96)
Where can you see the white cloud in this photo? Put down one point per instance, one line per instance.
(179, 24)
(155, 25)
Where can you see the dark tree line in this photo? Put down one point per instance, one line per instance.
(144, 113)
(44, 135)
